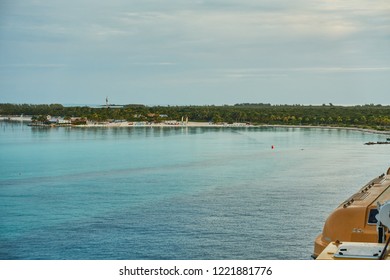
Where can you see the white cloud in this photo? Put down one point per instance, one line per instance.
(32, 65)
(163, 63)
(196, 42)
(239, 25)
(252, 73)
(342, 69)
(213, 21)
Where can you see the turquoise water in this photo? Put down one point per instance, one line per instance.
(175, 193)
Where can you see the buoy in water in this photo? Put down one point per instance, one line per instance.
(272, 147)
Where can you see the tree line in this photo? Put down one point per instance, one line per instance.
(367, 116)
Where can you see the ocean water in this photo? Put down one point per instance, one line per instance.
(175, 193)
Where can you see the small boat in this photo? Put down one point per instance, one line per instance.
(355, 220)
(377, 143)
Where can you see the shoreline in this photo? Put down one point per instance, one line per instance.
(331, 127)
(192, 124)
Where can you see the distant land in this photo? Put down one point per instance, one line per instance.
(369, 116)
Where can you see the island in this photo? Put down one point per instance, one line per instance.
(366, 117)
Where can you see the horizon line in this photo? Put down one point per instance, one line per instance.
(329, 104)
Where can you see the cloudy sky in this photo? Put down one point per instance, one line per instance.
(182, 52)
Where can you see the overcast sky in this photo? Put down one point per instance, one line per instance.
(182, 52)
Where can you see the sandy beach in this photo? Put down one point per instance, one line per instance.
(178, 124)
(237, 125)
(16, 118)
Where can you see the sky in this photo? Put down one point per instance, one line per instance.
(194, 52)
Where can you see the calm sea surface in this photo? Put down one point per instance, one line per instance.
(175, 193)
